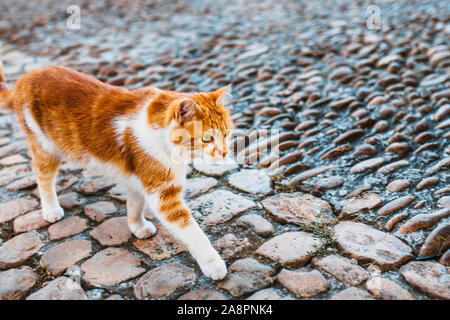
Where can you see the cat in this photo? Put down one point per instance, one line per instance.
(142, 138)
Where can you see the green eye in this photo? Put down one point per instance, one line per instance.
(207, 138)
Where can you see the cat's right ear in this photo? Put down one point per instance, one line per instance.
(186, 109)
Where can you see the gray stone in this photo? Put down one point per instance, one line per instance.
(16, 283)
(61, 288)
(290, 248)
(14, 208)
(367, 244)
(220, 206)
(352, 293)
(246, 276)
(303, 283)
(429, 277)
(112, 232)
(64, 255)
(342, 268)
(298, 208)
(387, 290)
(251, 181)
(258, 224)
(199, 185)
(19, 249)
(110, 267)
(164, 281)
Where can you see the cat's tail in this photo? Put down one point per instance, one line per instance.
(4, 93)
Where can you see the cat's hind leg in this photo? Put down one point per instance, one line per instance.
(136, 204)
(45, 167)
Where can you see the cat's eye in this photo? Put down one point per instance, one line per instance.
(207, 139)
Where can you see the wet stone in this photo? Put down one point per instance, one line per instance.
(220, 206)
(199, 186)
(19, 249)
(95, 186)
(69, 200)
(23, 183)
(303, 283)
(342, 268)
(298, 179)
(438, 166)
(111, 267)
(246, 276)
(100, 210)
(427, 182)
(423, 221)
(62, 256)
(429, 277)
(445, 259)
(161, 246)
(61, 288)
(16, 283)
(297, 208)
(67, 227)
(290, 248)
(437, 242)
(164, 281)
(12, 160)
(112, 232)
(391, 167)
(398, 185)
(387, 290)
(329, 183)
(251, 181)
(390, 224)
(365, 165)
(367, 244)
(14, 208)
(258, 224)
(395, 205)
(444, 202)
(368, 202)
(203, 294)
(269, 294)
(229, 245)
(30, 221)
(352, 293)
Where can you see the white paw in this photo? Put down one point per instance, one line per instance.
(214, 268)
(52, 214)
(143, 230)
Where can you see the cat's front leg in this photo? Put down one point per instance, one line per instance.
(136, 204)
(176, 217)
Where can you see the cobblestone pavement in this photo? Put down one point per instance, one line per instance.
(356, 205)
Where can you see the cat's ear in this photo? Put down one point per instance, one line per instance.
(186, 109)
(222, 96)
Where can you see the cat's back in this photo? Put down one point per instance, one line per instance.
(59, 81)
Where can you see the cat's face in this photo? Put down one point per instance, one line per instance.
(203, 125)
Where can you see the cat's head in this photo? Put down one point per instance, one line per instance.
(201, 124)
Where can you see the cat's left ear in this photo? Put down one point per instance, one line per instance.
(186, 109)
(222, 96)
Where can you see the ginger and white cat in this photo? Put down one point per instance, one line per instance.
(140, 137)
